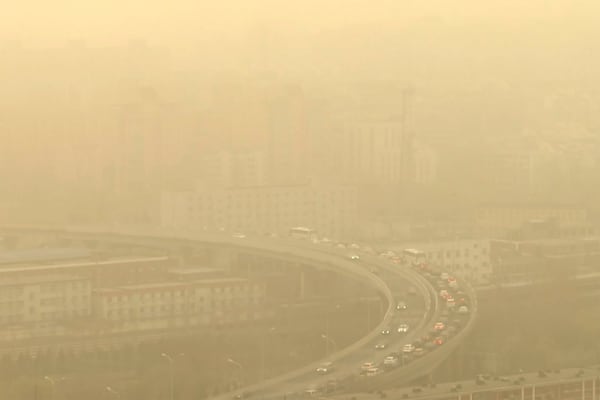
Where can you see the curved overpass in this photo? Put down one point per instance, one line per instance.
(347, 360)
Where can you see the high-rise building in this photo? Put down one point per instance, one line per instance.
(370, 152)
(288, 140)
(228, 169)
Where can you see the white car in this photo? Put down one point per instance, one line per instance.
(390, 360)
(238, 235)
(380, 346)
(408, 348)
(325, 368)
(444, 276)
(354, 257)
(450, 302)
(403, 328)
(463, 310)
(373, 371)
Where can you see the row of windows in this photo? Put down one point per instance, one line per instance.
(54, 315)
(156, 310)
(11, 292)
(182, 294)
(61, 286)
(215, 302)
(11, 305)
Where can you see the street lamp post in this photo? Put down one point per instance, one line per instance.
(264, 349)
(171, 373)
(237, 364)
(171, 361)
(113, 392)
(52, 384)
(329, 340)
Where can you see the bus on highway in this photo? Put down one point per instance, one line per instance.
(414, 256)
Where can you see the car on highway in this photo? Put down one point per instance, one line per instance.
(444, 294)
(463, 310)
(354, 257)
(385, 331)
(403, 328)
(311, 391)
(440, 284)
(380, 346)
(390, 361)
(387, 254)
(238, 235)
(366, 366)
(444, 276)
(450, 302)
(439, 326)
(373, 371)
(401, 305)
(354, 246)
(325, 368)
(418, 352)
(408, 348)
(438, 340)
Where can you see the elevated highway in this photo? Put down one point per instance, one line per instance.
(389, 279)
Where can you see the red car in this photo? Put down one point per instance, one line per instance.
(439, 341)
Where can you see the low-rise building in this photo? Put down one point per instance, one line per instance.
(468, 258)
(180, 304)
(517, 260)
(506, 220)
(41, 299)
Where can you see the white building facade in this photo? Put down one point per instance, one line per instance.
(467, 258)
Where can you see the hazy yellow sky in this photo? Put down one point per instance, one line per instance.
(181, 21)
